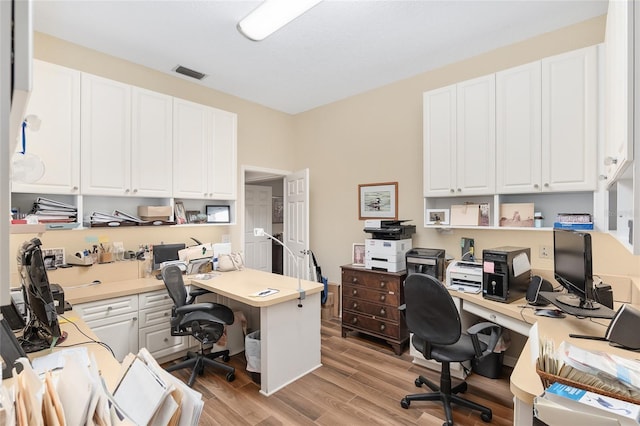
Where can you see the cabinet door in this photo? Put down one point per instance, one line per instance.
(518, 126)
(439, 120)
(106, 136)
(159, 341)
(119, 332)
(618, 77)
(569, 121)
(151, 144)
(55, 100)
(192, 135)
(223, 167)
(476, 136)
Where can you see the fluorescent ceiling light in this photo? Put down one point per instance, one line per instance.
(272, 15)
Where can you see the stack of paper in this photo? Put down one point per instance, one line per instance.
(117, 218)
(52, 211)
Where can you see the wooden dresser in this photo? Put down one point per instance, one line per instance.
(370, 301)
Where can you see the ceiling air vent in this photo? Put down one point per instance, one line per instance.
(189, 73)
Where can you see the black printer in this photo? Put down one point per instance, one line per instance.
(388, 229)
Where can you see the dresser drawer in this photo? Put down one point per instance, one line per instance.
(155, 299)
(366, 294)
(372, 280)
(366, 323)
(361, 306)
(108, 308)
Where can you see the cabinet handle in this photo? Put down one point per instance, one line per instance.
(459, 190)
(126, 191)
(383, 312)
(492, 317)
(354, 320)
(354, 279)
(75, 188)
(536, 186)
(382, 327)
(135, 190)
(610, 160)
(134, 319)
(546, 185)
(383, 297)
(383, 284)
(166, 314)
(109, 308)
(354, 292)
(452, 190)
(355, 305)
(166, 339)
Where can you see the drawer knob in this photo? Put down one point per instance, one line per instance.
(134, 319)
(492, 316)
(354, 320)
(354, 279)
(383, 312)
(382, 327)
(166, 339)
(109, 308)
(355, 292)
(355, 305)
(383, 297)
(166, 314)
(383, 284)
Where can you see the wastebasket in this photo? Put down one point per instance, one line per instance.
(252, 353)
(491, 365)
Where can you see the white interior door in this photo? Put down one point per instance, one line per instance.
(257, 250)
(296, 222)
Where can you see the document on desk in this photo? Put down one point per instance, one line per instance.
(264, 293)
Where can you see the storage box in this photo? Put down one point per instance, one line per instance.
(465, 215)
(334, 289)
(575, 226)
(159, 212)
(517, 214)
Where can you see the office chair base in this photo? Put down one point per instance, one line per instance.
(197, 361)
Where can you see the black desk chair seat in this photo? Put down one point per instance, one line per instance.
(204, 321)
(433, 319)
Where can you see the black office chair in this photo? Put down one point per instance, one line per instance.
(204, 321)
(433, 319)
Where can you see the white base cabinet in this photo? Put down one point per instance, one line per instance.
(154, 328)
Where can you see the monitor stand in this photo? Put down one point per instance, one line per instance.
(35, 339)
(576, 302)
(600, 312)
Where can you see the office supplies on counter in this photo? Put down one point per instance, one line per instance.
(386, 255)
(426, 261)
(464, 276)
(506, 273)
(389, 229)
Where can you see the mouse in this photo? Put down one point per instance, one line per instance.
(551, 313)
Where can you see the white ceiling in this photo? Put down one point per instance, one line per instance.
(336, 50)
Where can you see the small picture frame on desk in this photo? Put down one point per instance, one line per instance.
(357, 254)
(181, 213)
(218, 214)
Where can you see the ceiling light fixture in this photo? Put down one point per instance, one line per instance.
(272, 15)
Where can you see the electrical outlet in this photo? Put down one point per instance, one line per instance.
(545, 252)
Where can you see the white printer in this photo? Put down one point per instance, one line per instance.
(387, 255)
(464, 276)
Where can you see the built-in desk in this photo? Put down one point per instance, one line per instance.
(289, 334)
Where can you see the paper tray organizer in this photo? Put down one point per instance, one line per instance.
(548, 379)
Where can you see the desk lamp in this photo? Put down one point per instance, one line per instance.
(259, 232)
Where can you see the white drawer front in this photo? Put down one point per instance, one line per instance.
(159, 341)
(155, 316)
(513, 324)
(155, 299)
(107, 308)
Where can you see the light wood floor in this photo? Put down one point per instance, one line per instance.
(361, 382)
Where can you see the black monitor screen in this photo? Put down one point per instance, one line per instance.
(43, 329)
(572, 264)
(165, 253)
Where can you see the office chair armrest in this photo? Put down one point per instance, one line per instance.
(195, 293)
(202, 306)
(473, 331)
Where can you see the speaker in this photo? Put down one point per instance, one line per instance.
(537, 285)
(623, 329)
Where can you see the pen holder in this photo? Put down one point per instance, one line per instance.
(105, 257)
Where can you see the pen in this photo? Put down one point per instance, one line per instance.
(264, 292)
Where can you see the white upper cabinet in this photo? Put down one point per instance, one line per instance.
(55, 100)
(459, 139)
(205, 152)
(106, 136)
(151, 144)
(570, 121)
(618, 147)
(518, 127)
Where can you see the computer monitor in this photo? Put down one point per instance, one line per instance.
(42, 330)
(572, 266)
(165, 253)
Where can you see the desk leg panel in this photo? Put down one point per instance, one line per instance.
(289, 342)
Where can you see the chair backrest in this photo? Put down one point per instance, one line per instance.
(172, 277)
(430, 311)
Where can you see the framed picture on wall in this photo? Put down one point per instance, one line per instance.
(378, 200)
(277, 210)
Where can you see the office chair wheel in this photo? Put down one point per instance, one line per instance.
(226, 358)
(418, 382)
(448, 423)
(486, 417)
(404, 403)
(231, 377)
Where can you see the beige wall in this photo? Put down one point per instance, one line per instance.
(372, 137)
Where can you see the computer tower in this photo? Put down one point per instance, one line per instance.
(426, 261)
(506, 273)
